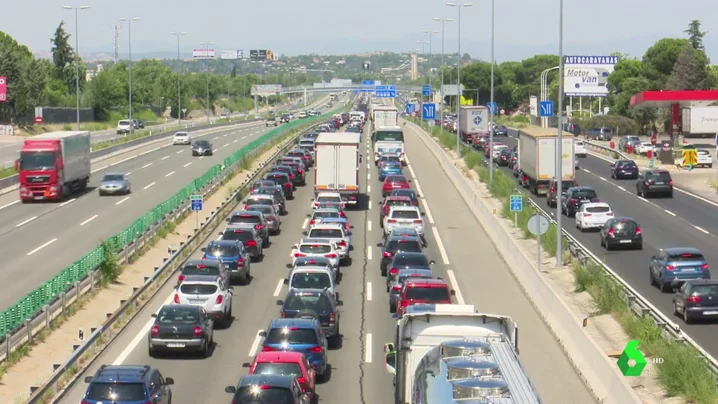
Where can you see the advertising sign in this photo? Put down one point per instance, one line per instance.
(258, 54)
(202, 53)
(448, 90)
(265, 90)
(231, 54)
(533, 105)
(3, 88)
(587, 76)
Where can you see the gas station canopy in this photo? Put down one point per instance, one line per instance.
(684, 98)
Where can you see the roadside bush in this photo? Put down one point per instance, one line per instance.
(109, 269)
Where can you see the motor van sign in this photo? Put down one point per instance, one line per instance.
(3, 88)
(587, 76)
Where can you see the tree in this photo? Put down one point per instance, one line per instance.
(63, 56)
(659, 60)
(695, 35)
(14, 59)
(690, 71)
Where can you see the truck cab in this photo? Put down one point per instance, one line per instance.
(389, 139)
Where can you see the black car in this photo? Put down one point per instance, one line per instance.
(503, 159)
(621, 169)
(284, 119)
(202, 148)
(127, 383)
(282, 179)
(697, 299)
(291, 172)
(501, 130)
(406, 260)
(315, 302)
(279, 389)
(653, 181)
(396, 244)
(621, 232)
(181, 327)
(574, 197)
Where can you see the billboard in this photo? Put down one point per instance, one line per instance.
(265, 90)
(587, 76)
(533, 105)
(448, 90)
(234, 54)
(3, 88)
(202, 53)
(258, 54)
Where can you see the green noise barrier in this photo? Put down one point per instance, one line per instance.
(33, 303)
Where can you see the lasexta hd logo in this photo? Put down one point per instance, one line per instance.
(632, 362)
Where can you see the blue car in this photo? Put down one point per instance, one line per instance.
(673, 266)
(389, 168)
(233, 255)
(128, 384)
(298, 335)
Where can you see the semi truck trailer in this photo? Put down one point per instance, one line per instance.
(537, 157)
(336, 162)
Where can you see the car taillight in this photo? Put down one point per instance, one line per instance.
(240, 262)
(332, 255)
(670, 267)
(693, 299)
(342, 243)
(259, 227)
(396, 287)
(387, 254)
(316, 349)
(245, 207)
(704, 267)
(552, 189)
(176, 299)
(155, 331)
(341, 214)
(670, 182)
(180, 278)
(391, 220)
(298, 255)
(287, 185)
(609, 214)
(573, 200)
(332, 318)
(267, 349)
(198, 331)
(300, 171)
(638, 231)
(418, 221)
(404, 303)
(301, 380)
(587, 215)
(311, 222)
(220, 299)
(291, 176)
(251, 243)
(611, 232)
(393, 271)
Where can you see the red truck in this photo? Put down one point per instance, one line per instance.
(53, 165)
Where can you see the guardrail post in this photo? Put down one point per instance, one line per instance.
(92, 279)
(8, 347)
(28, 328)
(126, 255)
(77, 290)
(46, 309)
(63, 300)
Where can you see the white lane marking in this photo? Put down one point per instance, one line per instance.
(418, 188)
(26, 221)
(442, 251)
(368, 166)
(9, 204)
(368, 189)
(123, 200)
(243, 137)
(368, 176)
(669, 212)
(225, 145)
(278, 289)
(215, 150)
(255, 344)
(165, 158)
(67, 202)
(225, 135)
(89, 220)
(188, 164)
(427, 211)
(368, 292)
(141, 336)
(367, 349)
(622, 188)
(413, 175)
(587, 171)
(368, 252)
(455, 285)
(179, 152)
(643, 199)
(42, 246)
(147, 165)
(149, 186)
(128, 173)
(98, 169)
(215, 138)
(369, 203)
(368, 225)
(305, 223)
(603, 178)
(7, 162)
(170, 173)
(700, 229)
(235, 141)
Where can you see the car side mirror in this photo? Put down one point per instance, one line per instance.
(379, 245)
(285, 281)
(226, 220)
(395, 316)
(340, 303)
(230, 389)
(408, 181)
(423, 213)
(452, 292)
(169, 381)
(304, 233)
(203, 249)
(88, 379)
(390, 362)
(153, 315)
(280, 303)
(432, 262)
(653, 257)
(308, 215)
(246, 365)
(17, 165)
(351, 227)
(262, 334)
(220, 233)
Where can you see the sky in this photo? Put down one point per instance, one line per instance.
(522, 27)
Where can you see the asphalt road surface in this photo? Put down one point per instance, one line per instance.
(681, 221)
(39, 240)
(463, 255)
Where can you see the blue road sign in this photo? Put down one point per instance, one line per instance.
(386, 94)
(516, 202)
(367, 82)
(426, 90)
(493, 107)
(385, 88)
(409, 109)
(428, 112)
(196, 201)
(546, 109)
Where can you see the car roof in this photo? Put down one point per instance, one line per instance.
(402, 237)
(399, 207)
(315, 241)
(247, 212)
(278, 356)
(313, 260)
(425, 282)
(678, 250)
(418, 271)
(266, 380)
(596, 204)
(411, 254)
(313, 291)
(311, 269)
(395, 176)
(205, 261)
(233, 243)
(241, 226)
(330, 220)
(114, 173)
(322, 225)
(121, 373)
(326, 210)
(207, 279)
(260, 195)
(293, 322)
(397, 198)
(337, 194)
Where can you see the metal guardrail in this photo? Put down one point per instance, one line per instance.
(105, 334)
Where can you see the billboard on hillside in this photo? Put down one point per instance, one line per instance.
(233, 54)
(266, 90)
(587, 76)
(202, 53)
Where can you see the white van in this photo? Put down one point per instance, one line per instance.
(124, 127)
(579, 148)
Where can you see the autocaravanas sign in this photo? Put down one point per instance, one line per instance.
(587, 76)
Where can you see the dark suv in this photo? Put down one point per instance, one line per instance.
(274, 389)
(552, 197)
(624, 169)
(575, 197)
(128, 384)
(396, 244)
(651, 182)
(202, 148)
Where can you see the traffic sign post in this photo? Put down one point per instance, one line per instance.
(426, 90)
(196, 203)
(516, 203)
(385, 91)
(546, 109)
(537, 226)
(493, 107)
(428, 111)
(409, 109)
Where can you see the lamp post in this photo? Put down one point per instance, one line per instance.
(544, 91)
(491, 110)
(442, 20)
(179, 78)
(559, 140)
(458, 78)
(77, 59)
(430, 33)
(207, 45)
(129, 65)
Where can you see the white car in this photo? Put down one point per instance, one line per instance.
(498, 147)
(181, 138)
(579, 148)
(313, 278)
(210, 292)
(334, 232)
(302, 114)
(404, 216)
(593, 215)
(331, 197)
(316, 247)
(644, 147)
(704, 158)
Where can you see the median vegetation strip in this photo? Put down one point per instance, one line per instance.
(683, 373)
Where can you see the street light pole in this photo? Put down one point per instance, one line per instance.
(129, 46)
(207, 45)
(458, 79)
(443, 20)
(559, 140)
(179, 78)
(77, 60)
(491, 110)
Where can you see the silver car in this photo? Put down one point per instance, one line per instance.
(114, 183)
(271, 216)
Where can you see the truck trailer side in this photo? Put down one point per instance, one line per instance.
(537, 157)
(336, 163)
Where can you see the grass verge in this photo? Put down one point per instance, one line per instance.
(683, 372)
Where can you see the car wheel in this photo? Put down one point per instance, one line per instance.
(686, 318)
(151, 353)
(670, 194)
(662, 286)
(651, 278)
(101, 193)
(205, 349)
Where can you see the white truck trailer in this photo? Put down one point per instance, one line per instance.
(448, 353)
(336, 163)
(699, 121)
(385, 116)
(473, 121)
(537, 157)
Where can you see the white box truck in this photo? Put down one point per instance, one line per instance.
(336, 163)
(699, 121)
(447, 351)
(537, 157)
(474, 120)
(385, 116)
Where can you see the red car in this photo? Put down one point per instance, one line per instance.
(392, 182)
(390, 201)
(431, 291)
(286, 364)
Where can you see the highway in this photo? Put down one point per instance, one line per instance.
(456, 242)
(683, 221)
(47, 237)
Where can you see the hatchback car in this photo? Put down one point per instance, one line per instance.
(258, 198)
(393, 182)
(298, 335)
(202, 148)
(253, 389)
(285, 364)
(323, 197)
(624, 169)
(283, 180)
(404, 216)
(552, 196)
(593, 215)
(113, 184)
(127, 384)
(398, 283)
(652, 182)
(395, 245)
(673, 266)
(316, 248)
(417, 291)
(291, 172)
(409, 261)
(181, 328)
(575, 197)
(253, 219)
(277, 194)
(318, 215)
(313, 278)
(248, 236)
(337, 234)
(274, 223)
(233, 255)
(389, 168)
(210, 266)
(209, 292)
(311, 262)
(301, 302)
(697, 300)
(621, 232)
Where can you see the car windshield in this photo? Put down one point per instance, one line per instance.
(311, 280)
(123, 123)
(405, 214)
(315, 249)
(292, 335)
(263, 183)
(318, 302)
(389, 136)
(395, 202)
(114, 392)
(280, 179)
(658, 176)
(271, 395)
(336, 199)
(37, 160)
(246, 218)
(598, 209)
(404, 192)
(410, 260)
(113, 177)
(395, 178)
(200, 269)
(584, 194)
(625, 164)
(236, 234)
(181, 134)
(282, 369)
(326, 214)
(198, 289)
(265, 209)
(430, 293)
(177, 315)
(326, 233)
(404, 245)
(686, 257)
(201, 143)
(625, 226)
(223, 251)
